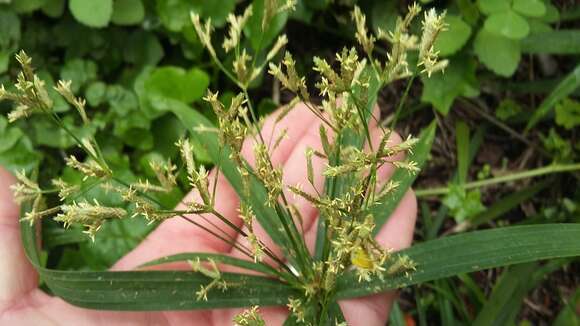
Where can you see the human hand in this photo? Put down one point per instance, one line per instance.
(22, 303)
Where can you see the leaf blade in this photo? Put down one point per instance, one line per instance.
(474, 251)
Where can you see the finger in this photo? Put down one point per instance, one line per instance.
(18, 277)
(397, 233)
(177, 235)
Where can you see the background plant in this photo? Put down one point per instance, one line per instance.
(495, 145)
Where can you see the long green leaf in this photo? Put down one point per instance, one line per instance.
(553, 42)
(161, 290)
(506, 297)
(153, 290)
(228, 260)
(508, 293)
(386, 206)
(474, 251)
(564, 88)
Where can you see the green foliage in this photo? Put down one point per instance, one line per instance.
(143, 72)
(458, 80)
(507, 109)
(455, 37)
(568, 113)
(128, 12)
(463, 204)
(177, 83)
(16, 150)
(499, 53)
(95, 13)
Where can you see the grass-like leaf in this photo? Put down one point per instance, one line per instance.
(564, 88)
(153, 290)
(474, 251)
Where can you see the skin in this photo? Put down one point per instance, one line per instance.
(22, 303)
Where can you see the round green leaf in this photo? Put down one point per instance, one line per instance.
(177, 83)
(493, 6)
(128, 12)
(93, 13)
(95, 93)
(530, 8)
(509, 24)
(499, 54)
(452, 40)
(24, 6)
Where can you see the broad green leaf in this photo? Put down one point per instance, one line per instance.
(95, 93)
(43, 131)
(16, 150)
(473, 251)
(121, 100)
(143, 48)
(530, 8)
(508, 24)
(94, 13)
(469, 11)
(555, 42)
(177, 83)
(384, 16)
(9, 37)
(443, 88)
(453, 39)
(25, 6)
(174, 14)
(4, 60)
(128, 12)
(382, 211)
(10, 135)
(552, 14)
(9, 29)
(568, 113)
(493, 6)
(562, 90)
(79, 72)
(499, 54)
(217, 10)
(53, 8)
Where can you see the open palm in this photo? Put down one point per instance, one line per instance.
(22, 303)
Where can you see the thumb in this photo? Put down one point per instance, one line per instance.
(18, 277)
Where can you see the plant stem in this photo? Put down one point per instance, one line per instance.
(556, 168)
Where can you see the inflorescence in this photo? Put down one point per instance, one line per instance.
(343, 89)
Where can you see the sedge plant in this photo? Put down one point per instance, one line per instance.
(347, 89)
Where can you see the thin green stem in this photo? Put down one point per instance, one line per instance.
(550, 169)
